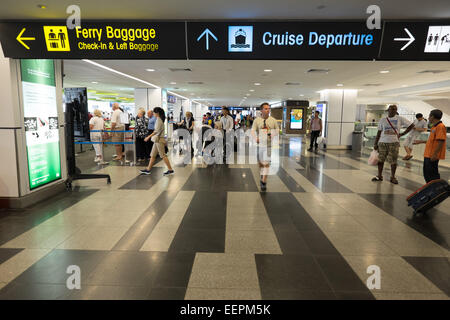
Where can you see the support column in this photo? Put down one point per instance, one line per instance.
(147, 98)
(341, 116)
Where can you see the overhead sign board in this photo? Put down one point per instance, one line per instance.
(94, 40)
(416, 41)
(296, 40)
(227, 40)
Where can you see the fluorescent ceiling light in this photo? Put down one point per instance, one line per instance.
(150, 70)
(121, 73)
(251, 90)
(302, 95)
(267, 70)
(384, 71)
(340, 85)
(257, 84)
(94, 82)
(173, 82)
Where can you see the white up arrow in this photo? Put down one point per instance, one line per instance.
(410, 39)
(207, 33)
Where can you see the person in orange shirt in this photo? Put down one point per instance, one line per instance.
(435, 146)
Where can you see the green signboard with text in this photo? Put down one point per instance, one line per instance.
(40, 121)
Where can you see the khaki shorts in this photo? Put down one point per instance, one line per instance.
(388, 152)
(118, 136)
(158, 147)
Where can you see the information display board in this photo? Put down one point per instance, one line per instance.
(296, 119)
(40, 121)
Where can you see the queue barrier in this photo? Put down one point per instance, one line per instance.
(129, 152)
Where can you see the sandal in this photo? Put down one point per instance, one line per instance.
(394, 181)
(376, 178)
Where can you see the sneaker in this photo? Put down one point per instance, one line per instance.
(263, 186)
(168, 172)
(97, 159)
(147, 172)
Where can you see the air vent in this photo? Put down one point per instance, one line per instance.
(318, 71)
(180, 69)
(372, 84)
(432, 71)
(292, 83)
(195, 82)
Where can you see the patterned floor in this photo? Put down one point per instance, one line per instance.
(209, 233)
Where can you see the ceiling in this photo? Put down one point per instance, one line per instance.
(214, 9)
(228, 82)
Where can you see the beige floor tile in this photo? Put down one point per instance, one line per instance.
(342, 223)
(355, 205)
(307, 185)
(2, 284)
(410, 296)
(13, 267)
(42, 237)
(222, 294)
(251, 241)
(94, 238)
(160, 239)
(358, 244)
(382, 224)
(210, 271)
(252, 222)
(411, 243)
(397, 276)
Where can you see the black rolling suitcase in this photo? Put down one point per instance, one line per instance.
(431, 194)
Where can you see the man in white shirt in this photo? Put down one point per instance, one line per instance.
(420, 125)
(265, 127)
(227, 123)
(387, 141)
(116, 125)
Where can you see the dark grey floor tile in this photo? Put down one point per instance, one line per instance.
(110, 293)
(290, 240)
(52, 268)
(290, 183)
(322, 181)
(290, 272)
(340, 275)
(167, 294)
(198, 240)
(318, 243)
(18, 291)
(6, 254)
(144, 182)
(221, 178)
(138, 233)
(118, 268)
(175, 271)
(435, 269)
(298, 295)
(356, 295)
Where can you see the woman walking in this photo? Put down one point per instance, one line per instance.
(159, 143)
(141, 131)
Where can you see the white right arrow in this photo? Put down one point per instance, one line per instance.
(410, 39)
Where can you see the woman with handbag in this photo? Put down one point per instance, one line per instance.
(159, 143)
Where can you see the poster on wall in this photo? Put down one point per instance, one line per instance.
(296, 119)
(40, 121)
(77, 99)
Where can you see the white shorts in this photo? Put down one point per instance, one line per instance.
(409, 141)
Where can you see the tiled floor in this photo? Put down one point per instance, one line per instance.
(208, 232)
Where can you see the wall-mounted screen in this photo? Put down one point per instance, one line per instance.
(297, 119)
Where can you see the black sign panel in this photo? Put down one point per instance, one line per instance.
(416, 41)
(94, 40)
(282, 40)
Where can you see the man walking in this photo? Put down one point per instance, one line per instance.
(227, 124)
(420, 125)
(387, 141)
(316, 130)
(265, 128)
(435, 146)
(151, 128)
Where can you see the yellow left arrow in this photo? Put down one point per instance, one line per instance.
(20, 39)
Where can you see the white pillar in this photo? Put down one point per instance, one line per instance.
(341, 116)
(147, 98)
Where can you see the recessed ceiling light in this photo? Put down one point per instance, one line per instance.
(340, 85)
(267, 70)
(257, 84)
(302, 95)
(251, 90)
(384, 71)
(151, 70)
(94, 82)
(173, 82)
(404, 85)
